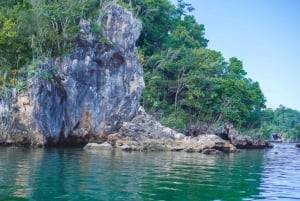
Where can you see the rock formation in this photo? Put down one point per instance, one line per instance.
(95, 88)
(144, 133)
(241, 141)
(85, 95)
(92, 95)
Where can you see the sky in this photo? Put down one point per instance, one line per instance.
(264, 35)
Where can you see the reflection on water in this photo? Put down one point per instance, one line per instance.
(194, 176)
(281, 178)
(16, 168)
(73, 174)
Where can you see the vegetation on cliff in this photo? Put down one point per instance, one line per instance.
(34, 29)
(186, 82)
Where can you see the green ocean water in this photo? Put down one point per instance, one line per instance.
(75, 174)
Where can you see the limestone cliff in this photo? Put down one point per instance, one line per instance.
(85, 95)
(92, 95)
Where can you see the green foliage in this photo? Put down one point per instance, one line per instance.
(31, 30)
(286, 122)
(283, 121)
(200, 82)
(7, 40)
(21, 85)
(176, 120)
(160, 20)
(45, 75)
(184, 79)
(96, 28)
(7, 30)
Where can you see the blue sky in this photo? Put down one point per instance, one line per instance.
(265, 35)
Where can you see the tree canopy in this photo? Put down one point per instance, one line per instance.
(186, 81)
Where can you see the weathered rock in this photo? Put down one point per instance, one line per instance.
(246, 142)
(210, 151)
(197, 129)
(97, 146)
(241, 141)
(85, 95)
(186, 145)
(223, 132)
(229, 134)
(97, 87)
(144, 133)
(17, 126)
(144, 126)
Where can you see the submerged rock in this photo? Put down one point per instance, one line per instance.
(97, 146)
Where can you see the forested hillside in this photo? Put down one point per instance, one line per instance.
(185, 81)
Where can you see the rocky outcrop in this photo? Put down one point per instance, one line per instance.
(17, 125)
(85, 95)
(92, 95)
(94, 89)
(144, 133)
(241, 141)
(195, 130)
(229, 134)
(99, 146)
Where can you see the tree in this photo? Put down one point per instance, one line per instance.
(183, 77)
(7, 47)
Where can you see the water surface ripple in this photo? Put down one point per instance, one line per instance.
(74, 174)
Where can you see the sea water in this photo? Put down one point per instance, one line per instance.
(77, 175)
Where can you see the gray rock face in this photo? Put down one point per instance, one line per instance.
(92, 91)
(97, 87)
(144, 133)
(241, 141)
(17, 125)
